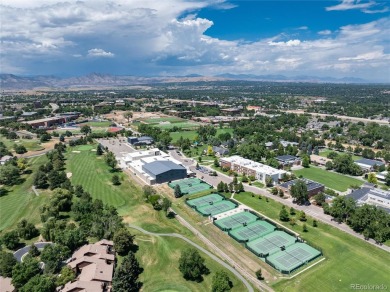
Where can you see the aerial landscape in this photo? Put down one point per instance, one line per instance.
(184, 145)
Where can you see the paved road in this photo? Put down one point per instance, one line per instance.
(237, 274)
(21, 252)
(313, 211)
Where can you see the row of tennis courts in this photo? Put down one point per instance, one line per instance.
(189, 186)
(278, 248)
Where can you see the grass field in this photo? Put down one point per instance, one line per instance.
(21, 202)
(182, 125)
(347, 257)
(165, 119)
(30, 144)
(192, 134)
(158, 256)
(331, 180)
(325, 152)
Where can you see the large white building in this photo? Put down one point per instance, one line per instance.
(249, 167)
(372, 196)
(154, 166)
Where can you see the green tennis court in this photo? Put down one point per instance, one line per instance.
(293, 257)
(270, 243)
(190, 185)
(217, 208)
(205, 200)
(236, 220)
(252, 231)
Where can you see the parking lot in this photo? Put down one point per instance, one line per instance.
(118, 146)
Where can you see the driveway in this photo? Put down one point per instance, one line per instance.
(21, 252)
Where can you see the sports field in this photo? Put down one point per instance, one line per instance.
(190, 185)
(21, 202)
(205, 200)
(164, 119)
(330, 179)
(85, 148)
(270, 243)
(252, 231)
(235, 221)
(217, 208)
(156, 254)
(182, 125)
(102, 124)
(347, 257)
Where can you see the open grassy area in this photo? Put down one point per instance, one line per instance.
(325, 152)
(330, 179)
(347, 257)
(182, 125)
(164, 119)
(192, 134)
(21, 202)
(158, 256)
(30, 144)
(102, 124)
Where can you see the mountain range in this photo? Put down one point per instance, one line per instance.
(97, 80)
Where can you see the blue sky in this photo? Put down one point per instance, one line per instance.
(208, 37)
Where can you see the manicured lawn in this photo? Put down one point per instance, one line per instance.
(30, 144)
(183, 125)
(192, 134)
(158, 255)
(349, 260)
(166, 119)
(325, 152)
(330, 179)
(21, 202)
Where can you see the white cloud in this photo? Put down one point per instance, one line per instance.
(364, 6)
(99, 53)
(148, 36)
(325, 32)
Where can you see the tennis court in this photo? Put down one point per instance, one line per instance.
(235, 221)
(190, 185)
(270, 243)
(293, 257)
(217, 208)
(205, 200)
(252, 231)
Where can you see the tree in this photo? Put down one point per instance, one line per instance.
(306, 161)
(274, 191)
(115, 180)
(304, 227)
(53, 255)
(62, 138)
(320, 198)
(329, 165)
(40, 283)
(192, 266)
(387, 179)
(283, 215)
(99, 150)
(23, 272)
(26, 230)
(66, 275)
(302, 216)
(126, 275)
(292, 211)
(210, 151)
(177, 191)
(221, 282)
(240, 187)
(56, 178)
(11, 240)
(123, 241)
(128, 116)
(148, 191)
(9, 175)
(20, 149)
(244, 178)
(259, 274)
(7, 262)
(40, 180)
(45, 137)
(86, 130)
(315, 224)
(299, 192)
(235, 180)
(166, 204)
(372, 178)
(110, 160)
(220, 187)
(34, 251)
(268, 181)
(216, 162)
(316, 150)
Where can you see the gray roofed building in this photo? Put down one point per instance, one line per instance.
(313, 187)
(4, 159)
(288, 160)
(144, 140)
(165, 171)
(219, 151)
(372, 196)
(368, 164)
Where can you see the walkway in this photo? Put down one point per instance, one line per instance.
(235, 272)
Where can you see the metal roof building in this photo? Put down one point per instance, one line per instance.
(164, 171)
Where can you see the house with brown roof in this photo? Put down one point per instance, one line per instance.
(94, 266)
